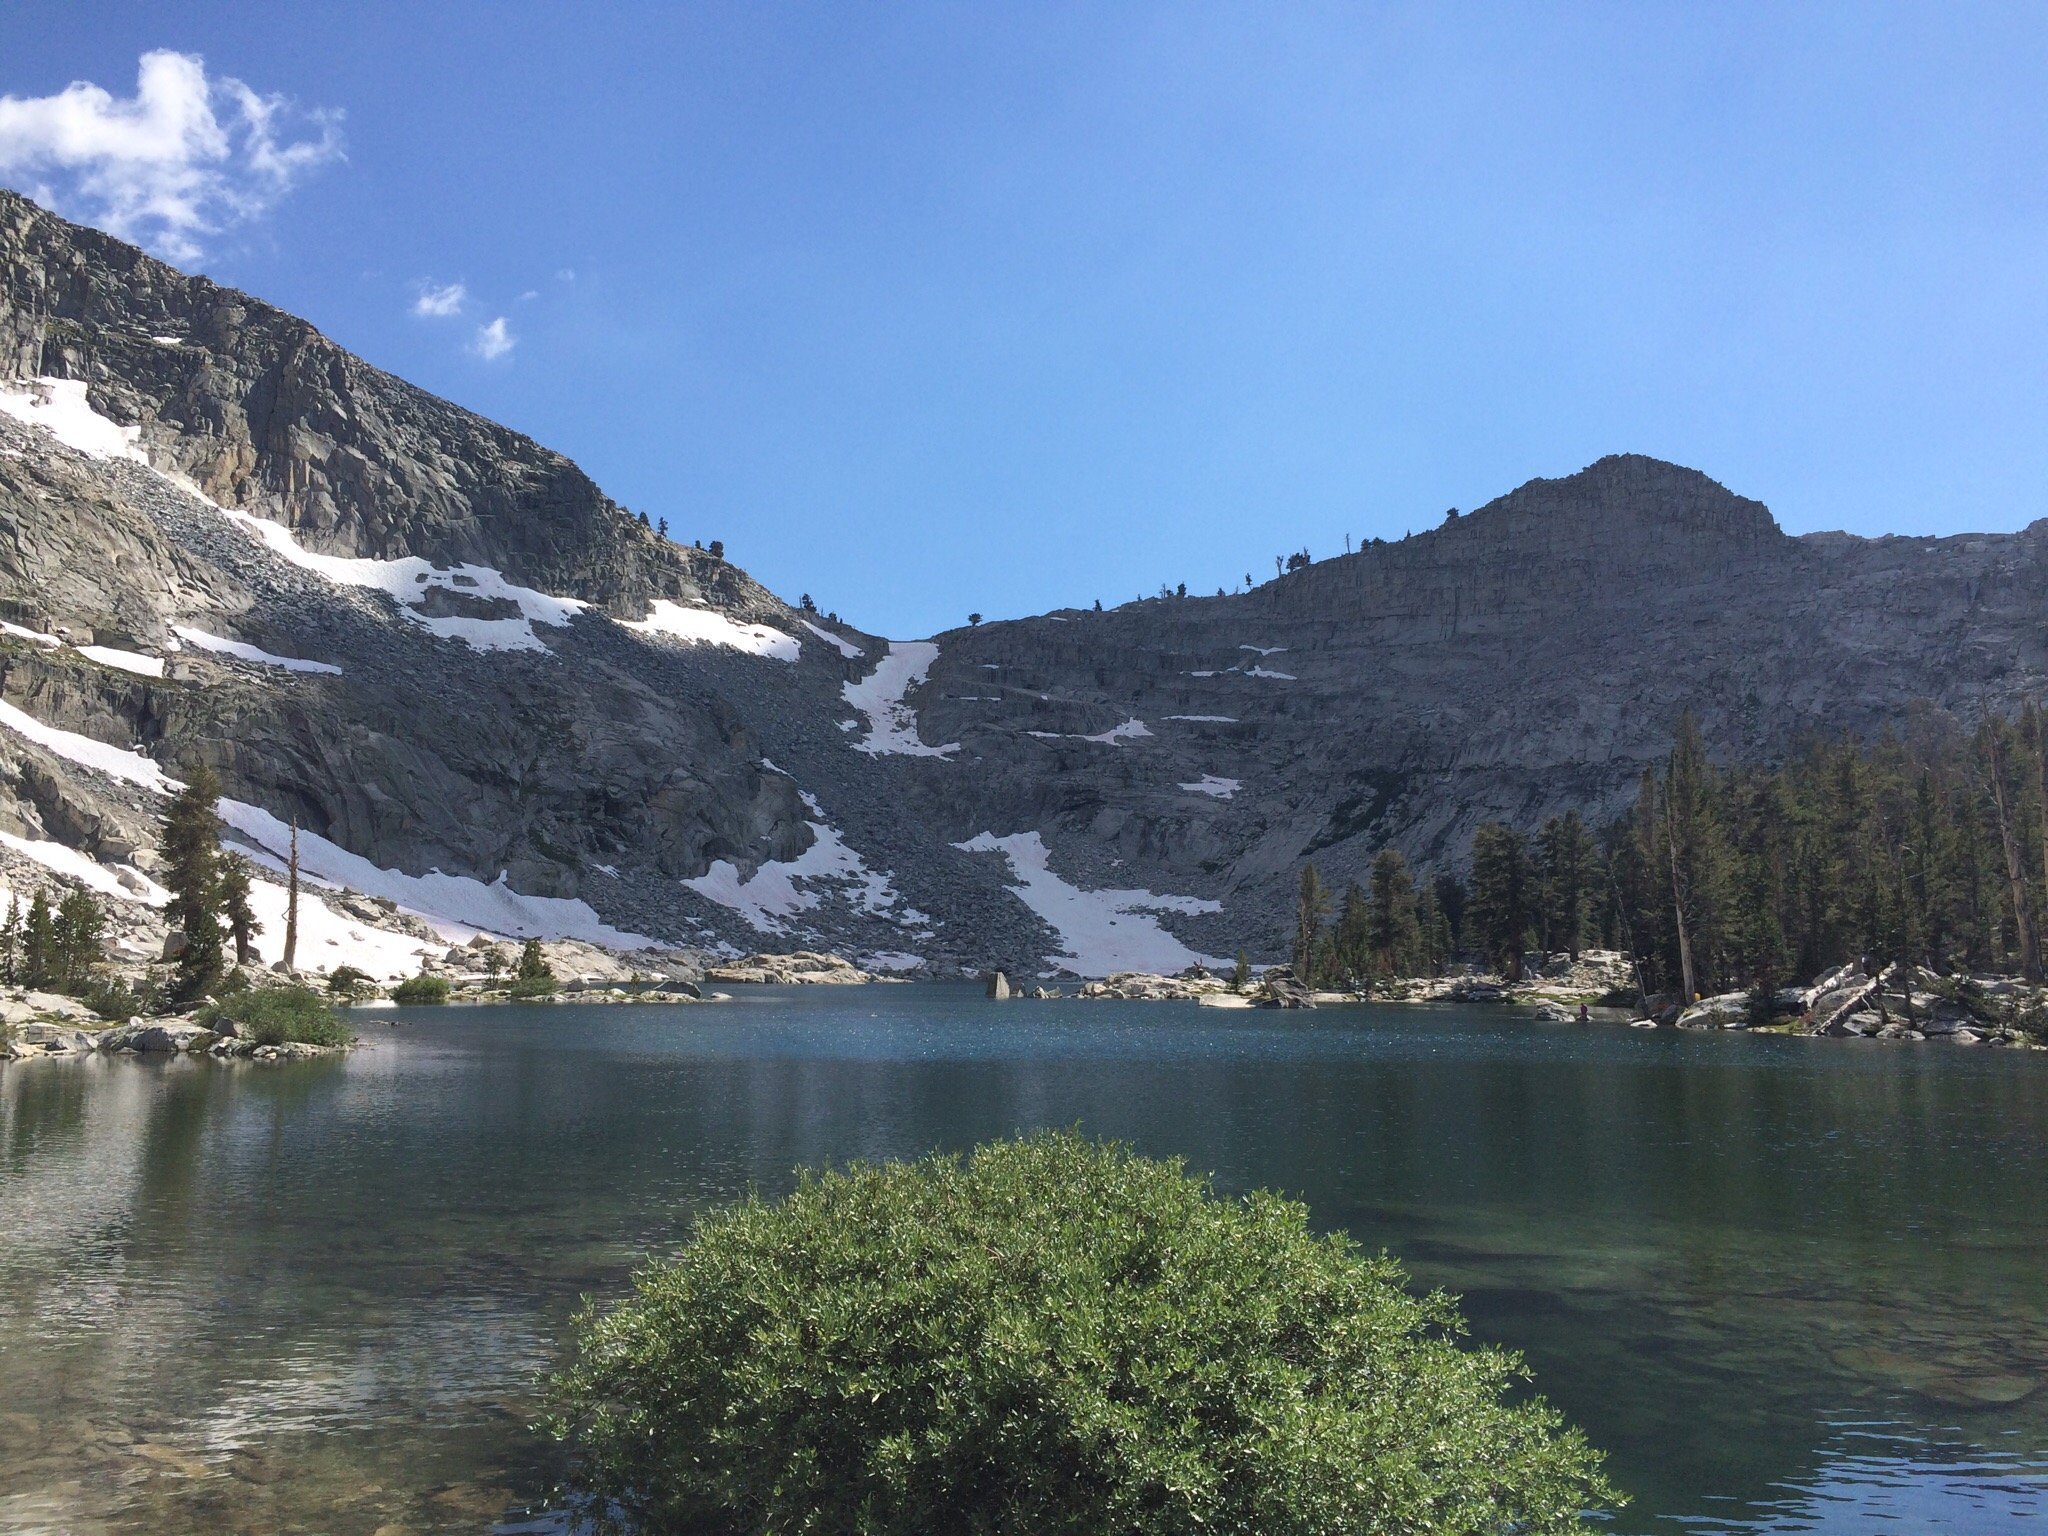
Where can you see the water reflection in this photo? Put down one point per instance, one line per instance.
(1791, 1285)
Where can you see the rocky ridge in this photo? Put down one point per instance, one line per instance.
(502, 694)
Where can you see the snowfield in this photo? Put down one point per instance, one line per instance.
(779, 889)
(242, 651)
(125, 661)
(1213, 784)
(1102, 931)
(129, 767)
(705, 626)
(409, 579)
(1115, 736)
(839, 643)
(59, 407)
(457, 906)
(892, 723)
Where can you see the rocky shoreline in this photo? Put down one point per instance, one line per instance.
(1899, 1002)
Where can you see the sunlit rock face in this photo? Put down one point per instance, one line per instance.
(440, 646)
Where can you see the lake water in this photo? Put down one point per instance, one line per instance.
(1790, 1285)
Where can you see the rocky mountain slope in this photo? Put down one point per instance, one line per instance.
(488, 694)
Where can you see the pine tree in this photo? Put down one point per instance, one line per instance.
(1393, 935)
(1497, 909)
(235, 909)
(10, 943)
(1571, 875)
(78, 927)
(1434, 932)
(1311, 909)
(1351, 947)
(533, 965)
(39, 952)
(191, 847)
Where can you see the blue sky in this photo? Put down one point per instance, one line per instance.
(931, 308)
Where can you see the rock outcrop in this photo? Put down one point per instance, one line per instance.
(698, 763)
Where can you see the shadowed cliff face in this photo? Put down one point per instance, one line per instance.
(1527, 658)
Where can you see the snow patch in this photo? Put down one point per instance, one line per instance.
(844, 646)
(705, 626)
(1285, 677)
(129, 767)
(1207, 719)
(1264, 650)
(1116, 735)
(35, 636)
(329, 939)
(243, 651)
(126, 661)
(1213, 784)
(892, 723)
(408, 580)
(779, 889)
(1103, 931)
(59, 407)
(457, 906)
(120, 882)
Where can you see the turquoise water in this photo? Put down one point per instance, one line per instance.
(1791, 1285)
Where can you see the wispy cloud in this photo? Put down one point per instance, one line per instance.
(182, 160)
(438, 303)
(493, 341)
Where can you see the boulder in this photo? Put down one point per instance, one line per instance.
(998, 986)
(147, 1038)
(1728, 1010)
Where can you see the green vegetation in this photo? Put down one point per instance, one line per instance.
(1930, 847)
(1050, 1336)
(192, 873)
(279, 1016)
(421, 990)
(52, 950)
(533, 965)
(348, 982)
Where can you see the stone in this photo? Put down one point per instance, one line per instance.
(998, 986)
(175, 945)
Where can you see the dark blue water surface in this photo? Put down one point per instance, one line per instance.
(1790, 1285)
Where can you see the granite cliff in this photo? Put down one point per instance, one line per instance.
(444, 653)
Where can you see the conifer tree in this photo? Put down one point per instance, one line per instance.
(1571, 874)
(39, 955)
(10, 942)
(235, 909)
(1311, 910)
(291, 905)
(1497, 908)
(192, 872)
(78, 926)
(1393, 934)
(1351, 947)
(533, 965)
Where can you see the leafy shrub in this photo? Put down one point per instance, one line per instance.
(280, 1016)
(347, 981)
(536, 986)
(421, 990)
(1052, 1336)
(114, 999)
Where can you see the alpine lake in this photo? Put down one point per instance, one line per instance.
(1788, 1284)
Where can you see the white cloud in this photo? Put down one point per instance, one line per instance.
(182, 159)
(493, 341)
(439, 303)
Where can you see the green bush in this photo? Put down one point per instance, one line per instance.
(114, 1000)
(1052, 1336)
(347, 981)
(534, 986)
(280, 1016)
(421, 990)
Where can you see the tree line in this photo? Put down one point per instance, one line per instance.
(1928, 846)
